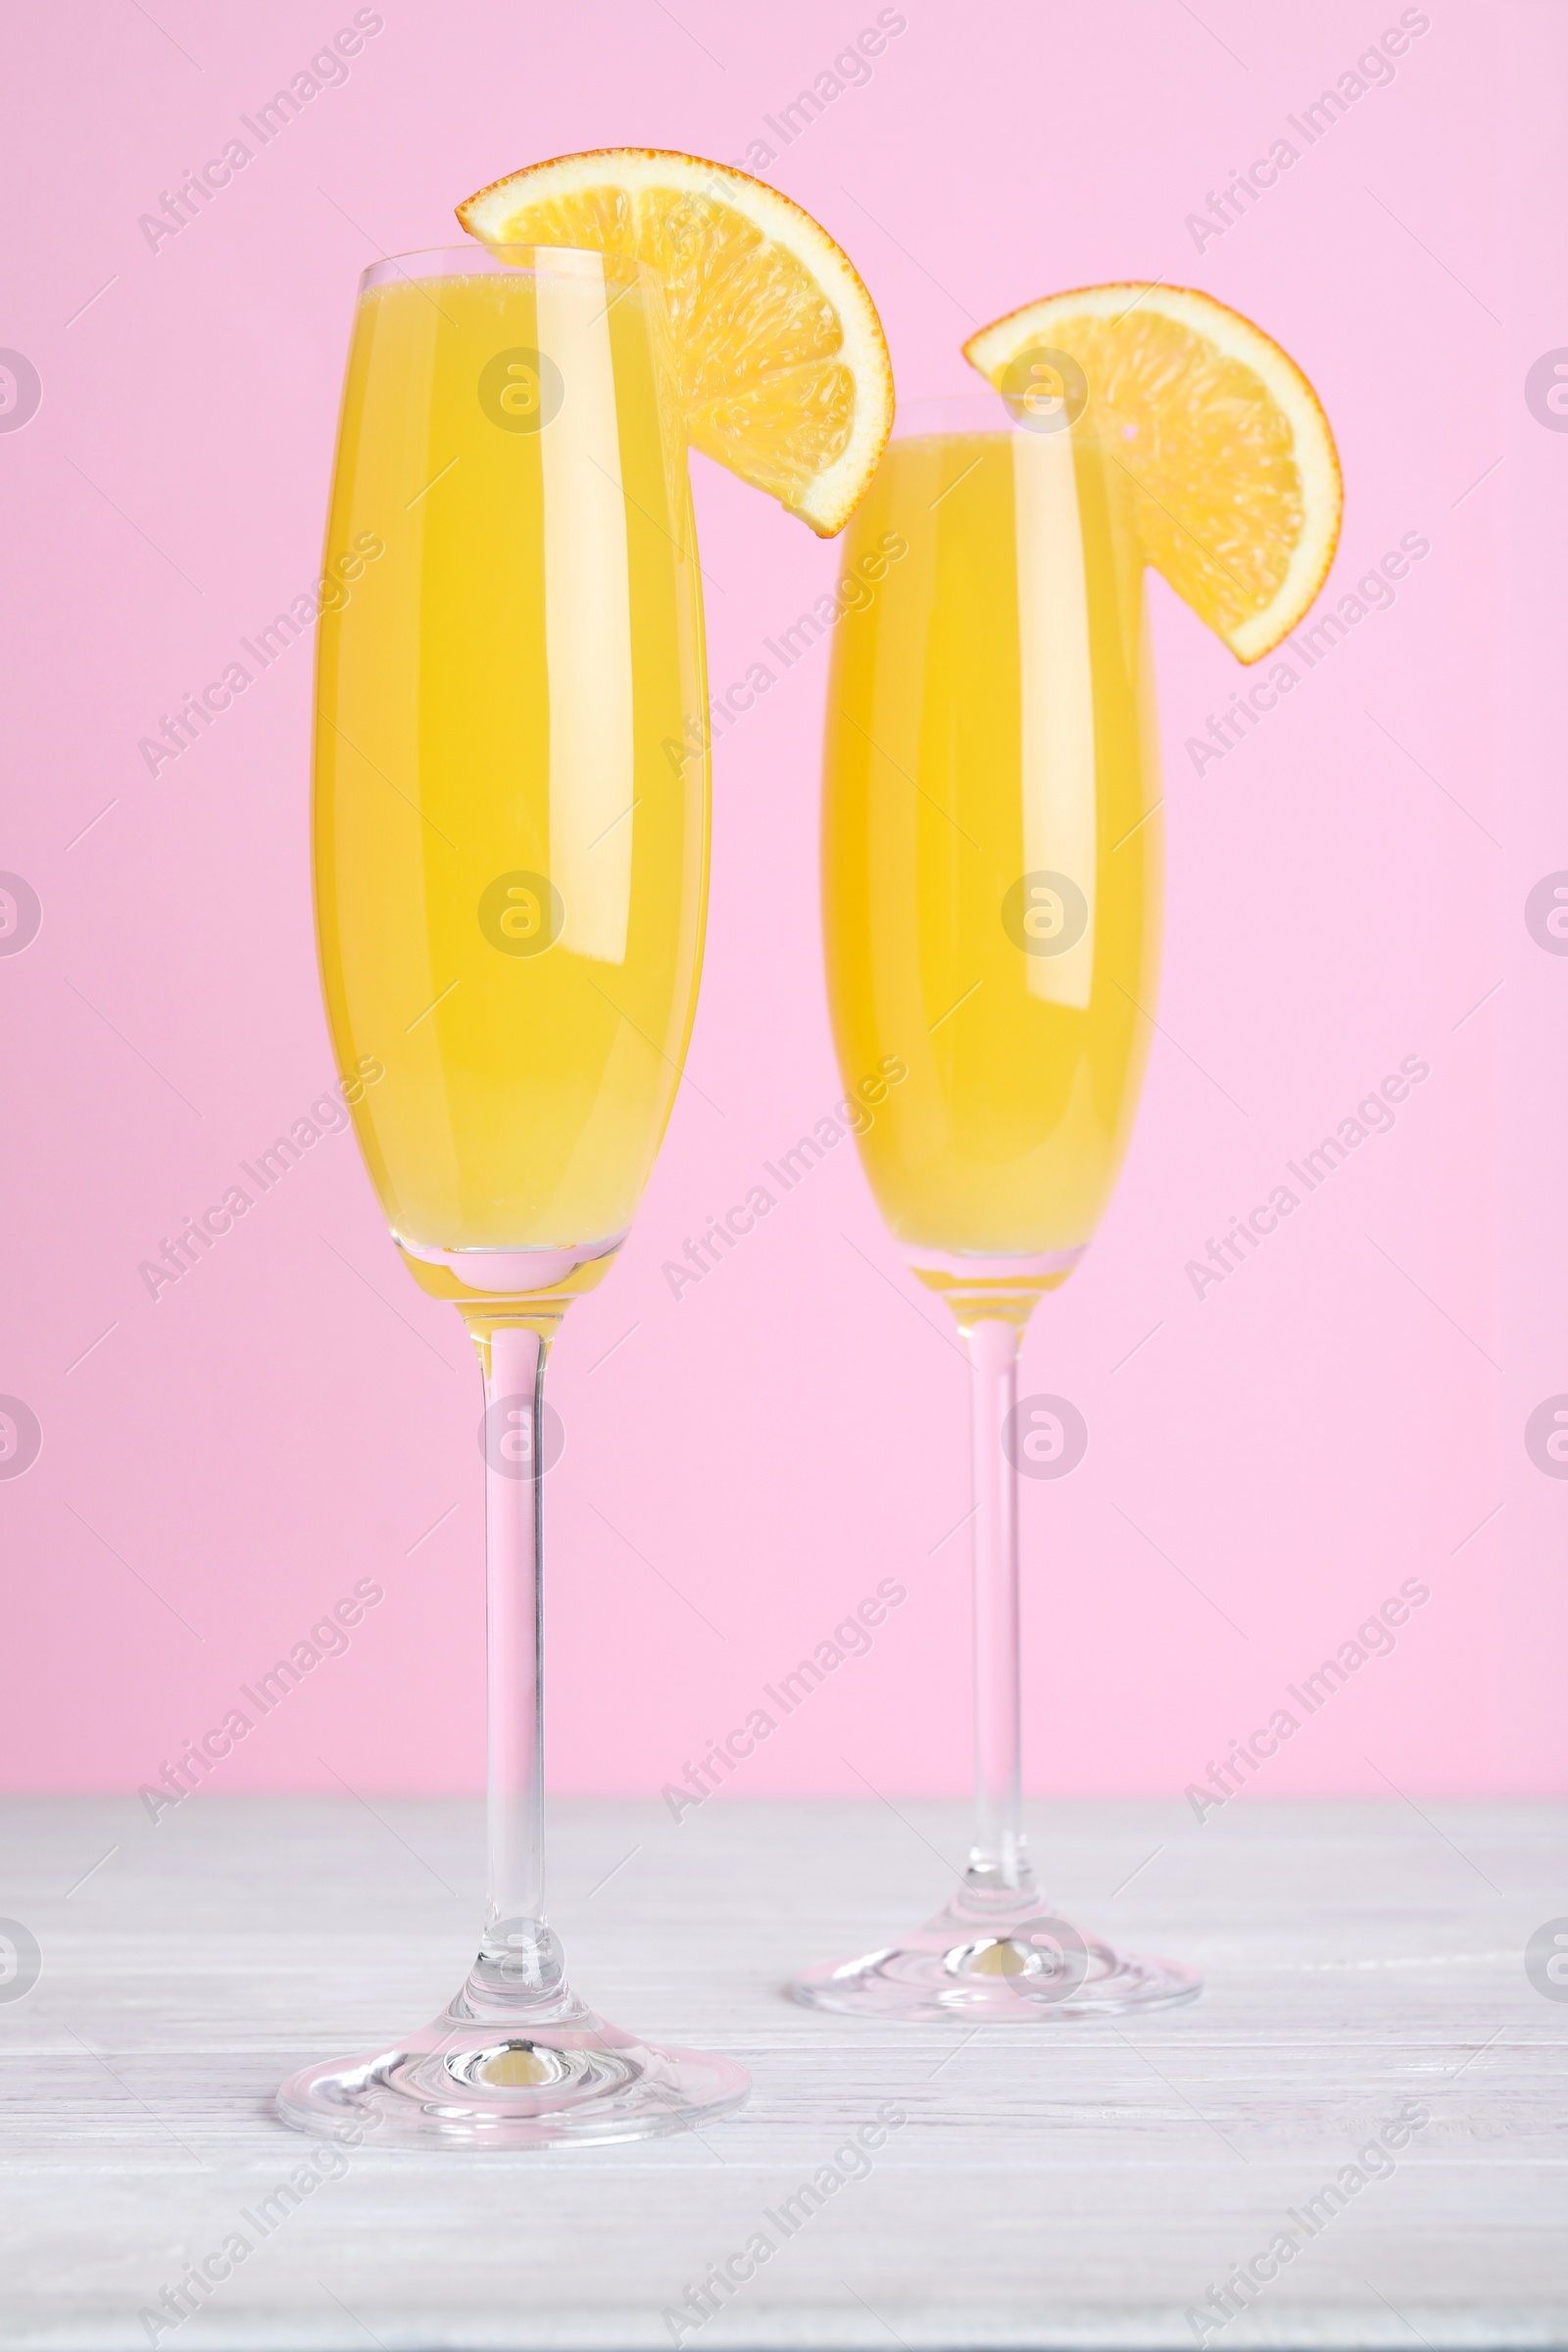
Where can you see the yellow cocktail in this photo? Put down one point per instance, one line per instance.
(991, 846)
(991, 890)
(510, 866)
(511, 877)
(991, 885)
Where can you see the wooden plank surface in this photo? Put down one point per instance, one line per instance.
(1077, 2186)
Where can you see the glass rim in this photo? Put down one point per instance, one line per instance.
(476, 260)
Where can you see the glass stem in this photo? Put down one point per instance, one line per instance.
(998, 1862)
(520, 1956)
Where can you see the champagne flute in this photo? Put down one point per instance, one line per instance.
(509, 883)
(991, 883)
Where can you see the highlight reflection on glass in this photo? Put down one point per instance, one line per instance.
(991, 890)
(511, 879)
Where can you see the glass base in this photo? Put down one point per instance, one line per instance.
(995, 1958)
(517, 2076)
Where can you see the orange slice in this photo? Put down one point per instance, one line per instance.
(1231, 466)
(784, 371)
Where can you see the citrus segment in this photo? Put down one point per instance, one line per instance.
(1226, 453)
(782, 362)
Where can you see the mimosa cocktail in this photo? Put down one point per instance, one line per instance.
(509, 868)
(991, 900)
(509, 883)
(991, 853)
(991, 886)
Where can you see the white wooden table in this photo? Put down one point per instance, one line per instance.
(1067, 2186)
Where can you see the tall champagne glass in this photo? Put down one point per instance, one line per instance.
(991, 878)
(510, 886)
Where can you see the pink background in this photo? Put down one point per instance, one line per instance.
(220, 1465)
